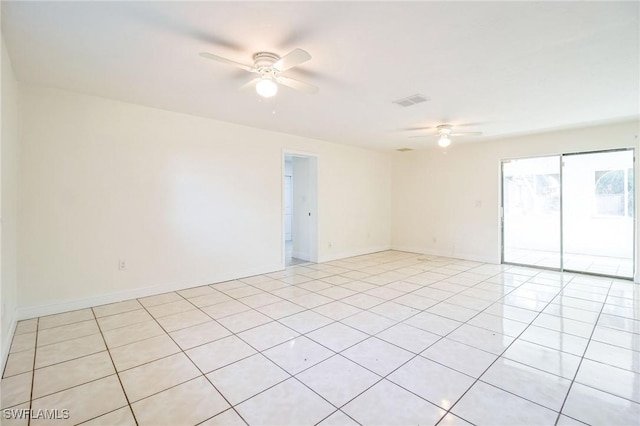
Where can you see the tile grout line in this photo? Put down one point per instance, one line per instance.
(255, 309)
(62, 362)
(559, 350)
(441, 338)
(586, 348)
(381, 378)
(544, 346)
(501, 354)
(301, 335)
(116, 372)
(556, 294)
(9, 354)
(155, 319)
(182, 351)
(419, 354)
(260, 352)
(306, 309)
(294, 376)
(33, 371)
(385, 377)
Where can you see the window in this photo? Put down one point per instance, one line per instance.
(613, 192)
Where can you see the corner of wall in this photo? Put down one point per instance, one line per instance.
(7, 338)
(351, 253)
(9, 147)
(458, 255)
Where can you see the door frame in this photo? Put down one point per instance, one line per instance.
(314, 213)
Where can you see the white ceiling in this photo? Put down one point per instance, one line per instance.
(513, 67)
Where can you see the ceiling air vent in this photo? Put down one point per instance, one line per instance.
(411, 100)
(404, 149)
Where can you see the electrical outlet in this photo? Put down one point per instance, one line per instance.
(122, 265)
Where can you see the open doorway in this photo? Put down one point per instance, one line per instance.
(300, 187)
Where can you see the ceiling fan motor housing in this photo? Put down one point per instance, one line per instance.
(444, 129)
(263, 61)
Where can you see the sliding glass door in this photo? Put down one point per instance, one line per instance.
(571, 212)
(531, 211)
(598, 209)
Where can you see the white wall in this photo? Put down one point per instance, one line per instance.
(9, 200)
(187, 201)
(183, 200)
(447, 202)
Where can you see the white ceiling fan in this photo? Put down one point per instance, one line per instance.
(445, 132)
(269, 68)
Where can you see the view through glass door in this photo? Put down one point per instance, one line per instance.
(531, 211)
(572, 212)
(598, 209)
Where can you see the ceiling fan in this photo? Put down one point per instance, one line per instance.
(269, 67)
(445, 132)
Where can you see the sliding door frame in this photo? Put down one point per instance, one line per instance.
(561, 159)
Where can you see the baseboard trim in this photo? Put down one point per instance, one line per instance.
(300, 255)
(28, 312)
(350, 253)
(104, 299)
(6, 343)
(458, 255)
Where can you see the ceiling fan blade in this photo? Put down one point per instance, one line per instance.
(475, 123)
(227, 61)
(298, 85)
(411, 129)
(291, 59)
(466, 134)
(424, 136)
(251, 84)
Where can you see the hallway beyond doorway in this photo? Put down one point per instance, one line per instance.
(289, 260)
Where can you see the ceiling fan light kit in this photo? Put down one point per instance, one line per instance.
(444, 141)
(266, 87)
(444, 132)
(270, 66)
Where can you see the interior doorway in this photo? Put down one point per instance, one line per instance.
(300, 187)
(571, 212)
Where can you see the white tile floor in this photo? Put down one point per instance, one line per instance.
(390, 338)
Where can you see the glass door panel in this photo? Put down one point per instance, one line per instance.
(598, 210)
(531, 211)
